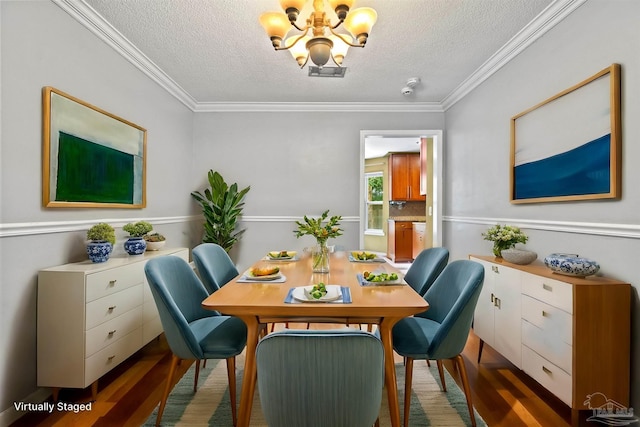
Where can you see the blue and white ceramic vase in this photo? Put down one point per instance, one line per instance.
(99, 250)
(135, 245)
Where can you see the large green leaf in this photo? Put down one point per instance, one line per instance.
(221, 206)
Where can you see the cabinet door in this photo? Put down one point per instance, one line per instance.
(483, 317)
(399, 177)
(418, 239)
(404, 240)
(413, 170)
(508, 314)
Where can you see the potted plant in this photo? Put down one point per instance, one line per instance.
(155, 241)
(101, 238)
(136, 244)
(322, 232)
(221, 206)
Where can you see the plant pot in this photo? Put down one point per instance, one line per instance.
(155, 246)
(99, 250)
(135, 246)
(518, 256)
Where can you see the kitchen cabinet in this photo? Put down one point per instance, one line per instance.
(400, 241)
(419, 229)
(92, 316)
(575, 332)
(404, 177)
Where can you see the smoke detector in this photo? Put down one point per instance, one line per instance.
(411, 83)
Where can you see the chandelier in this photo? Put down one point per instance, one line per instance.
(324, 42)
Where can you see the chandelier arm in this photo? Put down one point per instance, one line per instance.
(345, 40)
(295, 42)
(305, 28)
(334, 60)
(335, 26)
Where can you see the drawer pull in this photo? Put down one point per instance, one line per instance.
(113, 307)
(546, 370)
(112, 282)
(112, 332)
(495, 269)
(544, 314)
(492, 297)
(496, 302)
(110, 358)
(547, 287)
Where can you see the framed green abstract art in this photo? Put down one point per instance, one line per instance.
(91, 158)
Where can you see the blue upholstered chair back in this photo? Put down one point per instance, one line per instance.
(452, 300)
(320, 378)
(426, 268)
(214, 266)
(178, 294)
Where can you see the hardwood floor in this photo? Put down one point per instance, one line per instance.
(503, 395)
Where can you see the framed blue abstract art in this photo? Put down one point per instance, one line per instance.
(568, 147)
(91, 158)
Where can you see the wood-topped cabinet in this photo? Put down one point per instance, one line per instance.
(92, 316)
(400, 241)
(404, 177)
(570, 334)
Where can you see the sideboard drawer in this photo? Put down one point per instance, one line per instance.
(546, 373)
(548, 345)
(553, 292)
(109, 332)
(550, 319)
(110, 356)
(113, 280)
(111, 306)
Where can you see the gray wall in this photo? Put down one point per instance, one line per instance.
(476, 155)
(296, 163)
(43, 46)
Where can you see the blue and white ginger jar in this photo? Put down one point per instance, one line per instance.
(135, 245)
(571, 265)
(99, 250)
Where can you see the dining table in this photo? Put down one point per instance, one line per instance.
(259, 303)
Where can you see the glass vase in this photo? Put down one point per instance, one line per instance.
(320, 258)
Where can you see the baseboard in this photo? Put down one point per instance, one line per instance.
(10, 415)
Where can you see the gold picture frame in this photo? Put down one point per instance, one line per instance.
(568, 147)
(91, 158)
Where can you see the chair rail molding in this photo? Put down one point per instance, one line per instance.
(631, 231)
(50, 227)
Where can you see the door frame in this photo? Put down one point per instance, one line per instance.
(438, 142)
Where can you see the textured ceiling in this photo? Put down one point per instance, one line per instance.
(217, 52)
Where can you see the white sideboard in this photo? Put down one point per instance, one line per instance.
(574, 334)
(93, 316)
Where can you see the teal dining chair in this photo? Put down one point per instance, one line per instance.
(426, 268)
(191, 331)
(441, 332)
(214, 266)
(329, 377)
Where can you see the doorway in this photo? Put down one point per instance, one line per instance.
(395, 140)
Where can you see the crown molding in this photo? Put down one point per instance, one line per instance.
(94, 22)
(547, 19)
(370, 107)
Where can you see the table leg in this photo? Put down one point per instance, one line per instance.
(250, 373)
(390, 370)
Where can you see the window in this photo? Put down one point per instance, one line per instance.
(373, 201)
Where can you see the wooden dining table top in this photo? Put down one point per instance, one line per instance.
(268, 298)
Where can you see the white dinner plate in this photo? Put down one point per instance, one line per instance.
(333, 293)
(291, 255)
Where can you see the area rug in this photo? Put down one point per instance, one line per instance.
(209, 406)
